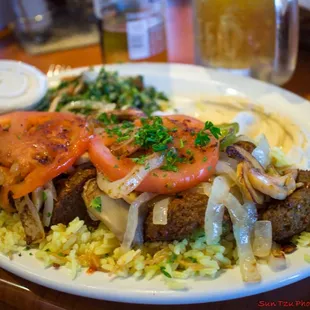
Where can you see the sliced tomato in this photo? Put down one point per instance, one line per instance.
(36, 147)
(188, 174)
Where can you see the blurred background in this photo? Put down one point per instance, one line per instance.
(266, 39)
(87, 32)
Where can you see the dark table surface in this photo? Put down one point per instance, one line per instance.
(17, 293)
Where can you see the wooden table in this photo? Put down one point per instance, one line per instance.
(16, 293)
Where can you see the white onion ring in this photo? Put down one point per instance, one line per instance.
(54, 104)
(262, 152)
(48, 208)
(277, 259)
(114, 213)
(245, 156)
(50, 186)
(215, 210)
(262, 238)
(203, 188)
(224, 168)
(252, 215)
(276, 187)
(160, 211)
(242, 232)
(95, 105)
(37, 198)
(229, 160)
(135, 211)
(246, 188)
(132, 180)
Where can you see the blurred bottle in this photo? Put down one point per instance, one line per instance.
(132, 30)
(33, 20)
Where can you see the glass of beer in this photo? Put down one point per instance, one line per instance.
(258, 38)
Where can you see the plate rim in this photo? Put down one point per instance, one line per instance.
(152, 297)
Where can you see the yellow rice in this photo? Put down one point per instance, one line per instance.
(77, 248)
(303, 240)
(12, 234)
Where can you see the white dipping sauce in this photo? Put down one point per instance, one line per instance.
(12, 84)
(21, 86)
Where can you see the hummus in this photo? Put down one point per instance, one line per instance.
(253, 121)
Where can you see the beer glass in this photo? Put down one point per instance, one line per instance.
(258, 38)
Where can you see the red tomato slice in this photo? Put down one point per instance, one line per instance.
(160, 181)
(36, 147)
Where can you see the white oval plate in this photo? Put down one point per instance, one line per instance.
(181, 81)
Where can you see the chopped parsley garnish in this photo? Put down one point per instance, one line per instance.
(49, 214)
(172, 159)
(44, 196)
(205, 158)
(27, 248)
(123, 138)
(216, 131)
(172, 258)
(153, 134)
(61, 254)
(203, 137)
(122, 131)
(30, 254)
(193, 259)
(107, 87)
(115, 166)
(96, 204)
(106, 119)
(127, 124)
(115, 131)
(139, 160)
(164, 272)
